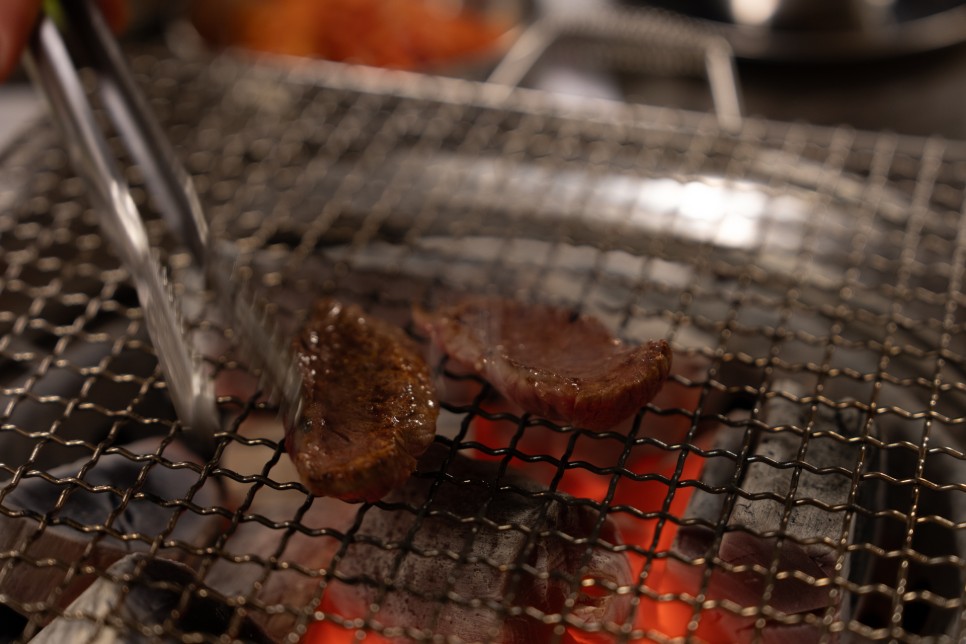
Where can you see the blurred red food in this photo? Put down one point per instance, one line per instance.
(401, 34)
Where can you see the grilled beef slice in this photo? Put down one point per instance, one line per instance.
(370, 407)
(550, 361)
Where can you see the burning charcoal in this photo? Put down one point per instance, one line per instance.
(283, 590)
(704, 511)
(140, 594)
(550, 361)
(749, 536)
(73, 516)
(63, 379)
(750, 518)
(476, 551)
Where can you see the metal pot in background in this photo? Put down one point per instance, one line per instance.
(798, 30)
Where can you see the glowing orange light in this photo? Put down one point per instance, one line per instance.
(329, 632)
(403, 34)
(668, 616)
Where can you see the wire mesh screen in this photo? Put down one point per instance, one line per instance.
(800, 475)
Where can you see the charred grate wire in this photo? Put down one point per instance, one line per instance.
(793, 268)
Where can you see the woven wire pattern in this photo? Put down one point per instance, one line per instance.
(813, 266)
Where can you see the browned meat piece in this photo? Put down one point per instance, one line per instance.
(370, 407)
(550, 361)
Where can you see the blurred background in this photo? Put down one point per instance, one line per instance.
(873, 64)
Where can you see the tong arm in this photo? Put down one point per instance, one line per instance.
(54, 73)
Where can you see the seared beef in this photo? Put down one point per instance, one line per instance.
(550, 361)
(370, 407)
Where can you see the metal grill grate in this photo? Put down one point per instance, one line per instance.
(809, 280)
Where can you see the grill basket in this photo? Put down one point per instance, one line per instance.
(808, 279)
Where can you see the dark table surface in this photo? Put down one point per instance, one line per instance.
(921, 94)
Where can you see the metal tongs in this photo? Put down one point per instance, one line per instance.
(54, 70)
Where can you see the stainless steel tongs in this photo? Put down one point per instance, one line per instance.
(53, 67)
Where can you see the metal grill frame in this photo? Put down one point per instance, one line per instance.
(259, 193)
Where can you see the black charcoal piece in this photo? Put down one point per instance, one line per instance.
(454, 569)
(139, 594)
(750, 534)
(816, 509)
(61, 381)
(36, 524)
(696, 534)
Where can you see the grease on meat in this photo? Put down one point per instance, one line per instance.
(370, 406)
(550, 361)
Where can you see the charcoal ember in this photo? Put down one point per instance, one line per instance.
(548, 360)
(121, 504)
(69, 382)
(706, 508)
(141, 596)
(370, 407)
(750, 535)
(477, 550)
(813, 528)
(275, 594)
(284, 590)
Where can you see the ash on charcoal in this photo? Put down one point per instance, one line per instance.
(481, 557)
(99, 515)
(139, 593)
(762, 520)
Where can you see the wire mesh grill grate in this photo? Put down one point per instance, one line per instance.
(809, 280)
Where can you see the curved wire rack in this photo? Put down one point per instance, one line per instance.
(791, 267)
